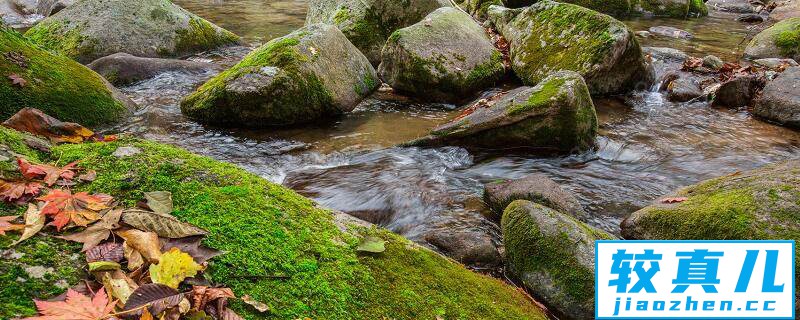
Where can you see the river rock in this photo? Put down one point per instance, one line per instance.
(557, 115)
(734, 6)
(670, 32)
(666, 54)
(60, 87)
(545, 38)
(786, 9)
(684, 88)
(368, 23)
(478, 8)
(462, 61)
(618, 8)
(713, 62)
(92, 29)
(779, 41)
(750, 18)
(671, 8)
(307, 75)
(537, 188)
(552, 254)
(774, 63)
(469, 246)
(780, 100)
(738, 92)
(123, 68)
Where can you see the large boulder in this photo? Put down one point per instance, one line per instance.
(368, 23)
(545, 38)
(446, 57)
(557, 115)
(309, 74)
(536, 188)
(553, 255)
(786, 9)
(62, 88)
(780, 100)
(779, 41)
(123, 68)
(620, 8)
(92, 29)
(738, 92)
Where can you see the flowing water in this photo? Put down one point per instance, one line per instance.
(647, 147)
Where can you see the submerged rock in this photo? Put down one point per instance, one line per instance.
(536, 188)
(92, 29)
(557, 115)
(670, 32)
(553, 255)
(307, 75)
(122, 68)
(779, 41)
(368, 23)
(60, 87)
(780, 99)
(446, 57)
(545, 38)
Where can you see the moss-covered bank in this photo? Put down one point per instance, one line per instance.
(282, 249)
(54, 84)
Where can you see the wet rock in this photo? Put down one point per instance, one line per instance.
(92, 29)
(734, 6)
(123, 68)
(545, 38)
(537, 188)
(713, 62)
(462, 62)
(671, 8)
(557, 115)
(684, 88)
(780, 100)
(60, 87)
(368, 23)
(553, 256)
(124, 152)
(782, 40)
(643, 34)
(750, 18)
(468, 246)
(305, 76)
(786, 9)
(773, 63)
(478, 8)
(671, 32)
(617, 8)
(738, 92)
(666, 54)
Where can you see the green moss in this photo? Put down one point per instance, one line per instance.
(202, 35)
(60, 39)
(619, 8)
(669, 9)
(55, 84)
(547, 90)
(698, 8)
(342, 15)
(789, 41)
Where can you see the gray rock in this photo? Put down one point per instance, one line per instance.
(478, 8)
(670, 32)
(684, 88)
(545, 38)
(735, 6)
(671, 8)
(537, 188)
(557, 115)
(123, 152)
(617, 8)
(666, 54)
(775, 42)
(780, 100)
(750, 18)
(713, 62)
(462, 61)
(553, 256)
(786, 9)
(773, 63)
(468, 246)
(91, 29)
(123, 68)
(307, 75)
(643, 34)
(368, 23)
(738, 92)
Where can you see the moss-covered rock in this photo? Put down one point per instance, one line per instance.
(557, 115)
(536, 188)
(478, 8)
(553, 255)
(550, 36)
(446, 57)
(92, 29)
(368, 23)
(309, 74)
(779, 41)
(671, 8)
(280, 248)
(780, 100)
(54, 84)
(619, 8)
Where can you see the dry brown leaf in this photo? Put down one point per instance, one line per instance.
(34, 222)
(38, 123)
(146, 243)
(96, 233)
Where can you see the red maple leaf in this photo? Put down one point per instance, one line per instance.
(50, 173)
(19, 191)
(80, 208)
(75, 307)
(674, 200)
(6, 225)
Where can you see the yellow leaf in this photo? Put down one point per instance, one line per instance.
(174, 266)
(34, 222)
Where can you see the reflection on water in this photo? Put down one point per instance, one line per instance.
(648, 146)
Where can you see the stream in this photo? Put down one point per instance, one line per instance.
(647, 145)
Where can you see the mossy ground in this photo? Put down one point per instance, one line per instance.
(282, 249)
(788, 40)
(56, 85)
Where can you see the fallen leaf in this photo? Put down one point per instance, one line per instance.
(19, 191)
(146, 243)
(159, 201)
(75, 307)
(674, 200)
(103, 266)
(49, 173)
(165, 225)
(198, 315)
(372, 245)
(17, 80)
(96, 233)
(80, 208)
(147, 316)
(173, 267)
(35, 121)
(191, 245)
(154, 297)
(109, 251)
(202, 295)
(258, 305)
(34, 222)
(89, 176)
(6, 225)
(117, 288)
(135, 259)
